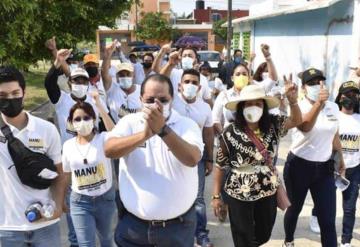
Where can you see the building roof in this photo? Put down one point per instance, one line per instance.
(312, 5)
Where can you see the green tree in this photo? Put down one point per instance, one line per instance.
(154, 26)
(27, 24)
(220, 31)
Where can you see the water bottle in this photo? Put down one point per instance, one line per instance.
(37, 210)
(33, 212)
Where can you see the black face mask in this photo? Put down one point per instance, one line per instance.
(147, 65)
(349, 103)
(11, 107)
(92, 71)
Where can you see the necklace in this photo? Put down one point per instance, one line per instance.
(84, 156)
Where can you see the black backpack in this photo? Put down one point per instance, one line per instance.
(28, 164)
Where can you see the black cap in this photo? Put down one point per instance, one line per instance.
(311, 74)
(349, 86)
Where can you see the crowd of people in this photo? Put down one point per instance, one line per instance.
(135, 142)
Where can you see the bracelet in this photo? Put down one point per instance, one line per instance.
(293, 104)
(216, 197)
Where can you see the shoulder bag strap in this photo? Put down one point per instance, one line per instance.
(260, 146)
(5, 129)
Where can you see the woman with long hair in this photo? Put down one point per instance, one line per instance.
(252, 181)
(92, 200)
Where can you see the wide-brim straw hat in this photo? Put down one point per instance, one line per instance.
(253, 92)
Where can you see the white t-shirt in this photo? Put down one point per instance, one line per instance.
(154, 184)
(121, 104)
(93, 178)
(219, 113)
(316, 145)
(199, 111)
(175, 77)
(39, 136)
(267, 84)
(99, 86)
(349, 131)
(139, 74)
(62, 109)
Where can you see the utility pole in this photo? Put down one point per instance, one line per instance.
(229, 30)
(136, 17)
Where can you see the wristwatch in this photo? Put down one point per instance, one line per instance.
(216, 197)
(164, 131)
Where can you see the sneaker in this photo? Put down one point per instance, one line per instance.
(345, 245)
(288, 244)
(314, 224)
(204, 242)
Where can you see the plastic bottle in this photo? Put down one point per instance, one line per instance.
(33, 212)
(37, 210)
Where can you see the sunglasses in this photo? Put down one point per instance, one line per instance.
(85, 118)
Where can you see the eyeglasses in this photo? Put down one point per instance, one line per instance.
(85, 118)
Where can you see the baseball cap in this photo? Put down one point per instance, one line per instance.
(88, 58)
(124, 66)
(79, 72)
(349, 86)
(311, 74)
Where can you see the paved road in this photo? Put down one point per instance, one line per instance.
(220, 232)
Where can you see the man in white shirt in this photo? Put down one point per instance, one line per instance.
(188, 105)
(188, 59)
(123, 97)
(158, 150)
(39, 136)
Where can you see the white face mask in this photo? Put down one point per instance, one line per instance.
(166, 108)
(253, 114)
(73, 66)
(83, 127)
(187, 63)
(126, 82)
(79, 91)
(265, 75)
(312, 92)
(190, 91)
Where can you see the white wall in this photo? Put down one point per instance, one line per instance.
(299, 41)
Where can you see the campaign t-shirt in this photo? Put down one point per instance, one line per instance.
(93, 178)
(317, 144)
(349, 131)
(40, 136)
(122, 104)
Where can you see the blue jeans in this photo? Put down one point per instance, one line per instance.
(301, 175)
(350, 196)
(200, 207)
(133, 232)
(71, 231)
(91, 215)
(37, 238)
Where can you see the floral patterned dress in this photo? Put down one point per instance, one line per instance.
(249, 179)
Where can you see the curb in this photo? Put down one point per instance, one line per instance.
(39, 106)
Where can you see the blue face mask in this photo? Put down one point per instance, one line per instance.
(312, 92)
(237, 59)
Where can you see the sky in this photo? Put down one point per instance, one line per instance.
(187, 6)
